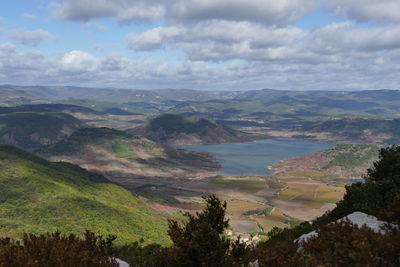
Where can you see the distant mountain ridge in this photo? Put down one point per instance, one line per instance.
(47, 108)
(267, 111)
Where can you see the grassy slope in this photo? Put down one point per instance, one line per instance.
(92, 136)
(38, 196)
(351, 156)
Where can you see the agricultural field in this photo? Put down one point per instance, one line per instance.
(311, 191)
(244, 185)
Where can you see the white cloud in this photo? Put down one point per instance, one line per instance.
(381, 11)
(155, 38)
(353, 71)
(218, 40)
(31, 38)
(347, 37)
(123, 10)
(18, 66)
(270, 12)
(79, 61)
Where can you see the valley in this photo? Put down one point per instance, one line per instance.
(299, 189)
(295, 151)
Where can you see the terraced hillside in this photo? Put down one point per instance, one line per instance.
(39, 196)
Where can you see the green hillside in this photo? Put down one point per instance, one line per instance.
(88, 136)
(351, 156)
(38, 196)
(176, 129)
(171, 123)
(122, 157)
(30, 130)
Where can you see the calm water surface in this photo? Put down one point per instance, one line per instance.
(255, 157)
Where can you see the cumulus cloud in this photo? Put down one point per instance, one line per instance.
(31, 38)
(347, 37)
(381, 11)
(226, 40)
(370, 71)
(123, 10)
(23, 66)
(254, 43)
(155, 38)
(217, 40)
(269, 12)
(79, 61)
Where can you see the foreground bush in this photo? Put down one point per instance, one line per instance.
(198, 241)
(57, 250)
(337, 244)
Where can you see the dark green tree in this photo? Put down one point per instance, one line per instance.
(376, 194)
(199, 241)
(387, 168)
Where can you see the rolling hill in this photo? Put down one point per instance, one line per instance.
(343, 161)
(127, 159)
(48, 108)
(180, 130)
(10, 96)
(268, 112)
(33, 130)
(39, 196)
(364, 130)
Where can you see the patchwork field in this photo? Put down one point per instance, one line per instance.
(245, 185)
(310, 190)
(240, 207)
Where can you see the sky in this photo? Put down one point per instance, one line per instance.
(202, 44)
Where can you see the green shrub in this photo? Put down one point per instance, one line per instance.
(57, 250)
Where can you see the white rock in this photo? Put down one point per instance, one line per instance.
(122, 263)
(357, 218)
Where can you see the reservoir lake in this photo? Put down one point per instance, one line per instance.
(255, 157)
